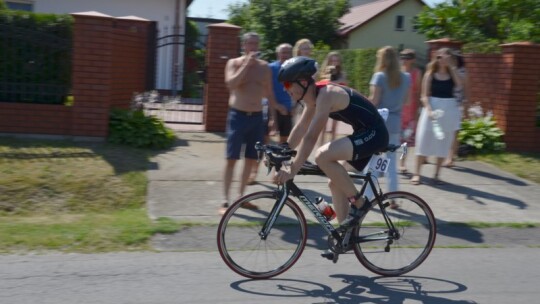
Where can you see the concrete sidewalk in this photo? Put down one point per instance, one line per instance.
(185, 183)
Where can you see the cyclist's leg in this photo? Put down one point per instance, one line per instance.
(327, 158)
(339, 199)
(341, 185)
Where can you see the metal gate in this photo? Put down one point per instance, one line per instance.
(165, 103)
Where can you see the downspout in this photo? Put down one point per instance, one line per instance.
(179, 31)
(176, 31)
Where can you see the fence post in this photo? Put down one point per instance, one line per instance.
(521, 61)
(92, 52)
(223, 44)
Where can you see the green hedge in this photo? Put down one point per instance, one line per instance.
(358, 65)
(35, 57)
(493, 47)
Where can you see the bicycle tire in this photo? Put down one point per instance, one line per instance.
(417, 228)
(246, 252)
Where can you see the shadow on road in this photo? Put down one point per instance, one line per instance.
(511, 181)
(358, 289)
(478, 196)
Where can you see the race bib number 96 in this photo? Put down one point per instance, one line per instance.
(379, 163)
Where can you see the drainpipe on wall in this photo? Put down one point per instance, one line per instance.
(179, 31)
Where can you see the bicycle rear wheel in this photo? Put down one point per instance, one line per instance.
(249, 254)
(393, 252)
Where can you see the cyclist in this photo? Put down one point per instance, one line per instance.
(322, 100)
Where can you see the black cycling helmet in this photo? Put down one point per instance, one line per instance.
(297, 68)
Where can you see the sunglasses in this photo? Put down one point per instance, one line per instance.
(439, 57)
(287, 85)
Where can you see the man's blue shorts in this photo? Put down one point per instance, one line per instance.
(243, 128)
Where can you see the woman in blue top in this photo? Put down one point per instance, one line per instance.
(389, 88)
(343, 104)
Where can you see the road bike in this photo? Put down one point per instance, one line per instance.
(393, 237)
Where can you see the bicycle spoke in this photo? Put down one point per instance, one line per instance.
(403, 249)
(246, 252)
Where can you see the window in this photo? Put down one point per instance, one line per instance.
(20, 5)
(399, 23)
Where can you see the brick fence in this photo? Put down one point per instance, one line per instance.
(508, 84)
(109, 64)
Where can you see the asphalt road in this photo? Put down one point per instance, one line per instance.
(501, 267)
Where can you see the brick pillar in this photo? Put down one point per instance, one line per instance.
(130, 59)
(521, 63)
(434, 45)
(110, 62)
(223, 44)
(91, 73)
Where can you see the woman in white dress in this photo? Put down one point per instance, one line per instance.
(440, 110)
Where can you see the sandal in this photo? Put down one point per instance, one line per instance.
(403, 170)
(250, 206)
(415, 180)
(449, 164)
(223, 208)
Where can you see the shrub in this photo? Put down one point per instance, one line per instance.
(481, 133)
(134, 128)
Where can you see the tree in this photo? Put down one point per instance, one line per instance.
(482, 20)
(279, 21)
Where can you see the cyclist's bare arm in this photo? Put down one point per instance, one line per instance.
(318, 123)
(301, 127)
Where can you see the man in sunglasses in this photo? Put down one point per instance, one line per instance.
(322, 100)
(249, 80)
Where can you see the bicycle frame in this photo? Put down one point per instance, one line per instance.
(290, 188)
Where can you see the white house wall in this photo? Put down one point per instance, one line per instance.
(161, 11)
(381, 31)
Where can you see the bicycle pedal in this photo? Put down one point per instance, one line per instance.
(328, 255)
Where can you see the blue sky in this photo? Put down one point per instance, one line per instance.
(216, 8)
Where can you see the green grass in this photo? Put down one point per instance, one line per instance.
(72, 196)
(125, 230)
(480, 225)
(524, 165)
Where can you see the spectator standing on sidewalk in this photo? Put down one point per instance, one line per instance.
(409, 113)
(389, 88)
(249, 80)
(332, 70)
(302, 47)
(281, 123)
(461, 98)
(440, 117)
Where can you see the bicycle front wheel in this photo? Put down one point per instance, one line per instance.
(250, 253)
(401, 243)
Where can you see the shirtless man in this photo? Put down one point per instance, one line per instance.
(249, 80)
